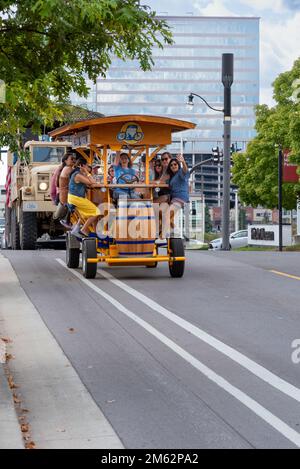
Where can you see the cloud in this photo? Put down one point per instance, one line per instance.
(292, 4)
(214, 8)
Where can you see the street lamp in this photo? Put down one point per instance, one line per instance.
(227, 80)
(190, 102)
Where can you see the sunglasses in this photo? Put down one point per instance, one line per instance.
(173, 164)
(165, 159)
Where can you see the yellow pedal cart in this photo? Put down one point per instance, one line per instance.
(128, 232)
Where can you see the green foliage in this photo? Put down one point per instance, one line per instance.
(256, 170)
(208, 222)
(242, 218)
(49, 47)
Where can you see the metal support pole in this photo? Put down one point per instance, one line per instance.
(226, 185)
(280, 163)
(219, 185)
(227, 80)
(236, 211)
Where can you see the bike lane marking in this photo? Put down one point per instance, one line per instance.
(242, 397)
(258, 370)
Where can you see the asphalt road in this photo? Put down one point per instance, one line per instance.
(199, 362)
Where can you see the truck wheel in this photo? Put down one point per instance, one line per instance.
(89, 250)
(15, 230)
(176, 249)
(72, 253)
(28, 230)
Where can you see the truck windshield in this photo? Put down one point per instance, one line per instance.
(48, 154)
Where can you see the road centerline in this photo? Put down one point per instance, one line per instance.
(239, 395)
(258, 370)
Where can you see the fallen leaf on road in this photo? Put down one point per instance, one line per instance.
(11, 383)
(6, 340)
(24, 410)
(16, 399)
(9, 356)
(71, 329)
(24, 428)
(30, 445)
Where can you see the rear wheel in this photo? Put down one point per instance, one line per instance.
(72, 252)
(28, 230)
(15, 230)
(176, 249)
(89, 251)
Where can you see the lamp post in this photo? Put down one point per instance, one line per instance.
(236, 192)
(280, 163)
(227, 80)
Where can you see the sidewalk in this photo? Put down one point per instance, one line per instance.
(10, 432)
(61, 412)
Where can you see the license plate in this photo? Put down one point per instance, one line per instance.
(30, 207)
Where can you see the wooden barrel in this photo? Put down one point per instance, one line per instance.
(135, 229)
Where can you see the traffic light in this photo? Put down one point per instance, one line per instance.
(217, 154)
(234, 148)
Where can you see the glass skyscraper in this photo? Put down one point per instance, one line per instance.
(192, 64)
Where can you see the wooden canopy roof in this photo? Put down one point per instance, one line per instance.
(130, 130)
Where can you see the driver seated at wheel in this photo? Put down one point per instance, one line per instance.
(124, 174)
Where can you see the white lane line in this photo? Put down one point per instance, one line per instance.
(251, 404)
(250, 365)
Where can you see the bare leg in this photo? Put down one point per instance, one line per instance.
(88, 223)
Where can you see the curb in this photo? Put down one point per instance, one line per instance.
(10, 432)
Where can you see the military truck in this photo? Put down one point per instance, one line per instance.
(29, 211)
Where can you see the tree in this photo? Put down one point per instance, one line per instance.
(255, 172)
(49, 47)
(208, 222)
(242, 218)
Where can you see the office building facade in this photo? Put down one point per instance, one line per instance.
(192, 64)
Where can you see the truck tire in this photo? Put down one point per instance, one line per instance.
(176, 247)
(72, 253)
(28, 230)
(15, 230)
(89, 250)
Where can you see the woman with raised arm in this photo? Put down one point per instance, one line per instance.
(179, 181)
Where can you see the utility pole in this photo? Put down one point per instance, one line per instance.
(227, 80)
(280, 163)
(236, 210)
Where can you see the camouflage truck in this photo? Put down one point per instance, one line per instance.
(29, 208)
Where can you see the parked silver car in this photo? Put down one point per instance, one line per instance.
(238, 239)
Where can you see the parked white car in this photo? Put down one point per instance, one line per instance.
(238, 239)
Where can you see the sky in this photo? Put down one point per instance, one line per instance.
(280, 31)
